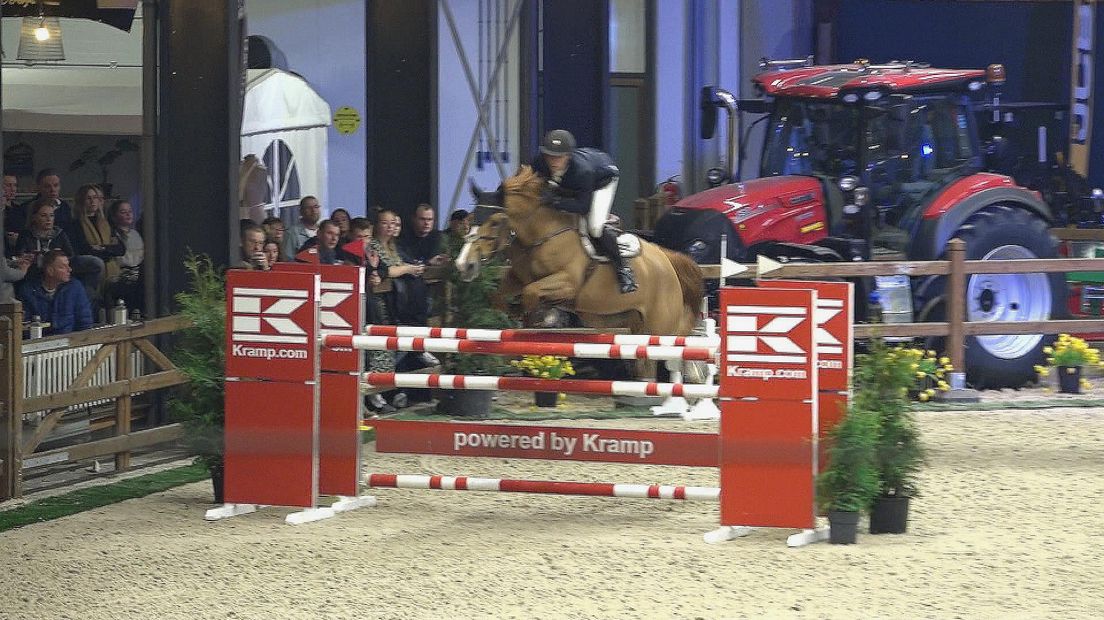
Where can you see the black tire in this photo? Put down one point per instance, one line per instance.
(1001, 232)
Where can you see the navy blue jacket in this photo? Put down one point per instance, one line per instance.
(68, 311)
(588, 170)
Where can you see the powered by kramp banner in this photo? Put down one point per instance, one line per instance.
(546, 442)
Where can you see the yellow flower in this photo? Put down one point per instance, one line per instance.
(946, 361)
(924, 397)
(1048, 350)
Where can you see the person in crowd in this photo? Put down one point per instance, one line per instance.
(326, 241)
(95, 247)
(342, 218)
(12, 269)
(584, 181)
(408, 300)
(276, 231)
(271, 251)
(306, 227)
(13, 221)
(368, 255)
(54, 298)
(41, 235)
(459, 225)
(252, 249)
(128, 284)
(48, 182)
(422, 241)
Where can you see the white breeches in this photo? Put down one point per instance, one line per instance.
(600, 206)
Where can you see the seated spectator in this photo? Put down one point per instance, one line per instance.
(49, 188)
(275, 229)
(310, 212)
(252, 249)
(342, 218)
(128, 283)
(12, 270)
(408, 301)
(326, 242)
(422, 241)
(95, 247)
(272, 252)
(54, 298)
(41, 236)
(13, 220)
(459, 226)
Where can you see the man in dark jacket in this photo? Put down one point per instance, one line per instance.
(55, 298)
(584, 181)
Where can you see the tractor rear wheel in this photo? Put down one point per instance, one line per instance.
(999, 232)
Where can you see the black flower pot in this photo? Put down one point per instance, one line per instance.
(889, 514)
(844, 527)
(546, 399)
(217, 479)
(1069, 379)
(466, 403)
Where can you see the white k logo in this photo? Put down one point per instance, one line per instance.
(743, 336)
(249, 320)
(826, 310)
(333, 295)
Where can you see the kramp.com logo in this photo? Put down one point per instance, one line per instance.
(262, 316)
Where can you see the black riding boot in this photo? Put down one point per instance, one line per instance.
(607, 244)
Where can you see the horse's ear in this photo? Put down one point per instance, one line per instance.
(477, 192)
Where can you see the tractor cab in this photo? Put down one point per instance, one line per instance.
(879, 157)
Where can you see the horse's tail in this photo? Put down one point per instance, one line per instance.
(690, 280)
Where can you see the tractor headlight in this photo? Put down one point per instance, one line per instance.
(848, 183)
(862, 196)
(715, 176)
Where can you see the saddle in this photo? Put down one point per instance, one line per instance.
(628, 244)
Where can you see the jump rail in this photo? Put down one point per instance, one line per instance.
(583, 350)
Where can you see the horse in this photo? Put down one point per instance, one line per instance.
(550, 267)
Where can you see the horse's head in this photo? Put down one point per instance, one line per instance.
(489, 234)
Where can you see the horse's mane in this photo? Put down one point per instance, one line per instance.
(525, 182)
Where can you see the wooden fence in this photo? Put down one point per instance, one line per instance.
(109, 375)
(956, 268)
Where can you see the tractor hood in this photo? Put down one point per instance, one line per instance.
(789, 208)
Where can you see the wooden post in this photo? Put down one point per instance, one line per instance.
(122, 403)
(956, 304)
(11, 401)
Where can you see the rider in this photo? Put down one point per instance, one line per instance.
(583, 181)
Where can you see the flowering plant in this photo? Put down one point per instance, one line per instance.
(1070, 351)
(545, 366)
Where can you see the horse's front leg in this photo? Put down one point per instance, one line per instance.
(547, 291)
(510, 286)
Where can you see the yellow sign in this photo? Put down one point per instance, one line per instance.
(347, 120)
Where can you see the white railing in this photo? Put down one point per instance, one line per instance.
(53, 370)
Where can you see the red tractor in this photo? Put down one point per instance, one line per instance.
(882, 162)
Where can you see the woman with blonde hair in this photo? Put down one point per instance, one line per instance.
(94, 242)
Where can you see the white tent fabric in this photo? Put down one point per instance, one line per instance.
(281, 108)
(278, 106)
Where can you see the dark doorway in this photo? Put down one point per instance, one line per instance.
(400, 109)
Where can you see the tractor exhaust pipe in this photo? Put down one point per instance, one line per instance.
(713, 98)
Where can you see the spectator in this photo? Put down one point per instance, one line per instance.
(276, 231)
(95, 247)
(408, 301)
(310, 212)
(342, 219)
(49, 188)
(12, 270)
(9, 222)
(128, 284)
(41, 235)
(376, 271)
(326, 241)
(459, 226)
(54, 298)
(424, 242)
(252, 249)
(272, 252)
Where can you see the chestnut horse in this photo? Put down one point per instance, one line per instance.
(550, 268)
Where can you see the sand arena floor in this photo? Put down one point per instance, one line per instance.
(1008, 526)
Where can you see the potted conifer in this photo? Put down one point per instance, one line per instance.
(847, 487)
(200, 353)
(470, 306)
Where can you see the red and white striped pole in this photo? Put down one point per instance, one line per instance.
(501, 485)
(567, 349)
(537, 335)
(532, 384)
